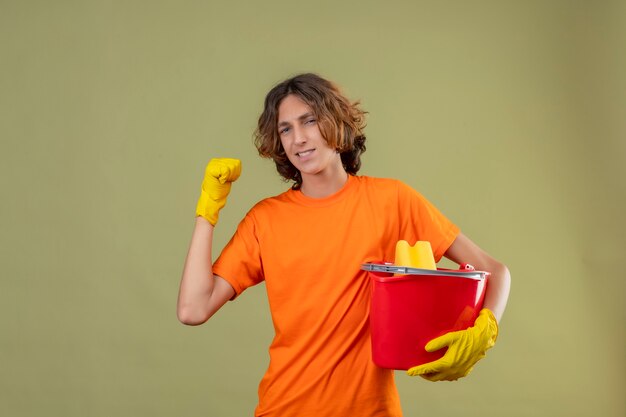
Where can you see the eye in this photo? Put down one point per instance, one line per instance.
(310, 121)
(283, 130)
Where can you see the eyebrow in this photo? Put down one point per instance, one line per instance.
(301, 117)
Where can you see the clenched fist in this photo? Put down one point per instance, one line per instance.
(218, 176)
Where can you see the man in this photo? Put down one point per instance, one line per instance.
(308, 243)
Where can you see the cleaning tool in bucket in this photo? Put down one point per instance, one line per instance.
(418, 256)
(416, 306)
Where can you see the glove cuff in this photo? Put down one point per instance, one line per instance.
(206, 208)
(492, 325)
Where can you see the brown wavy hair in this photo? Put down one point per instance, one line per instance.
(341, 123)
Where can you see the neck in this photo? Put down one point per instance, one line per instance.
(324, 183)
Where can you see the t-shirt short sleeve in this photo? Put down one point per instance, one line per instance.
(420, 217)
(240, 261)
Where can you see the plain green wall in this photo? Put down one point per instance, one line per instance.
(509, 116)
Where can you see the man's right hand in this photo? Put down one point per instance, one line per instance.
(219, 174)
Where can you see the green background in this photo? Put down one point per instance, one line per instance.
(509, 116)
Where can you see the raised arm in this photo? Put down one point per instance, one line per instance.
(201, 293)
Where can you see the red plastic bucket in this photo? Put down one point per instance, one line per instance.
(407, 311)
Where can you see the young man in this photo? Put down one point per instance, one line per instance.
(308, 244)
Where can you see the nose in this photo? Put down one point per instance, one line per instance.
(298, 135)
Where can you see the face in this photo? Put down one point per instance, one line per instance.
(302, 140)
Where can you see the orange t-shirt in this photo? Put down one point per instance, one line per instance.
(309, 253)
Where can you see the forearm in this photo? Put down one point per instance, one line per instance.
(498, 287)
(197, 283)
(463, 250)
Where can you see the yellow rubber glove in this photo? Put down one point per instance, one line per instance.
(465, 348)
(219, 174)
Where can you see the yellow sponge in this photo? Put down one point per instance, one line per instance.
(418, 256)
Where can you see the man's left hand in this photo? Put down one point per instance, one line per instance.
(465, 348)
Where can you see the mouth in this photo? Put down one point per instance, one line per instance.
(306, 153)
